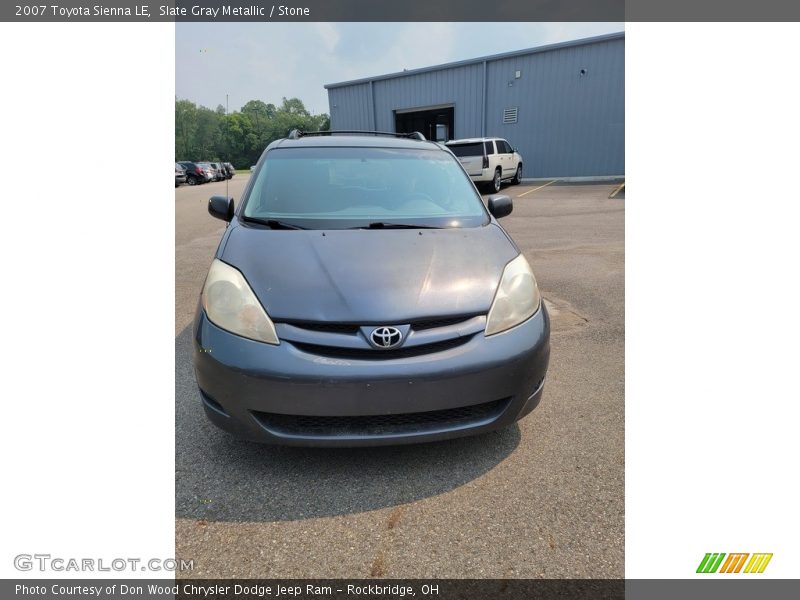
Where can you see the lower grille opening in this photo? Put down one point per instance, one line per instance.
(375, 354)
(381, 425)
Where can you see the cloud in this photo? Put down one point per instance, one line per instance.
(268, 61)
(328, 35)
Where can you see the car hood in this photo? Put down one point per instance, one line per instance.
(370, 276)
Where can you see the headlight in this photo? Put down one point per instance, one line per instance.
(516, 299)
(231, 304)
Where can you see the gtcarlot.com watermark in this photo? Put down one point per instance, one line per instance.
(46, 562)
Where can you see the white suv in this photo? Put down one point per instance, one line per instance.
(488, 161)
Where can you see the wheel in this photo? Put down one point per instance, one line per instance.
(496, 182)
(191, 180)
(518, 175)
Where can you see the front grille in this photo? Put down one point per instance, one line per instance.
(326, 327)
(445, 322)
(352, 328)
(375, 354)
(381, 425)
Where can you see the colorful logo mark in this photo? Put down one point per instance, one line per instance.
(734, 562)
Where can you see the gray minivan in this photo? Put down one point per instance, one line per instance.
(362, 294)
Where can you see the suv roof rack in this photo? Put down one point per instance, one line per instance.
(296, 134)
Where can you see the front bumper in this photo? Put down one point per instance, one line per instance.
(285, 395)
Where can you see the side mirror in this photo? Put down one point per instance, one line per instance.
(500, 205)
(221, 208)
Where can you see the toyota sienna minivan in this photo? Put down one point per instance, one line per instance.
(362, 294)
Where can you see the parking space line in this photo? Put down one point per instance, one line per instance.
(537, 188)
(618, 189)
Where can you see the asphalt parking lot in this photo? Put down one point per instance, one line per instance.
(544, 498)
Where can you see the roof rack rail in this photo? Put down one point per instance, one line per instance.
(296, 134)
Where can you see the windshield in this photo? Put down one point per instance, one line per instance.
(339, 188)
(471, 149)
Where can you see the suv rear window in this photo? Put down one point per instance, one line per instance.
(346, 187)
(472, 149)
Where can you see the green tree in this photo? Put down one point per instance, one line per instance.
(241, 136)
(294, 106)
(185, 128)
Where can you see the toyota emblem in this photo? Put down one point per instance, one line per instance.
(386, 337)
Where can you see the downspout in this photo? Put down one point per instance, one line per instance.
(372, 101)
(483, 102)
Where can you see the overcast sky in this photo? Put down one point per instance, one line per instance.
(266, 61)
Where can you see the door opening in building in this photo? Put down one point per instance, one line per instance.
(434, 124)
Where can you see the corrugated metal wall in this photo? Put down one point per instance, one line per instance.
(461, 86)
(569, 124)
(351, 107)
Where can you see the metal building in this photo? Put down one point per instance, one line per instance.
(561, 105)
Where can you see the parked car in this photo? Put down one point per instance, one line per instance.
(229, 168)
(195, 172)
(220, 172)
(416, 319)
(488, 161)
(209, 171)
(180, 174)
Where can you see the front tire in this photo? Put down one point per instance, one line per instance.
(191, 180)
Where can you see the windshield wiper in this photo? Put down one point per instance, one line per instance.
(384, 225)
(271, 223)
